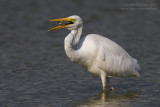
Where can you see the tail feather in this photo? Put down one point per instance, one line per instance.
(137, 68)
(137, 75)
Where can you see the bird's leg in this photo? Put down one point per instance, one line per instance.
(108, 85)
(103, 78)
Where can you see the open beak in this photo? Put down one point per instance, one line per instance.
(60, 21)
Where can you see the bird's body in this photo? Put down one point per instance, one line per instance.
(99, 55)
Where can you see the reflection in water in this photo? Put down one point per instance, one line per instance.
(108, 100)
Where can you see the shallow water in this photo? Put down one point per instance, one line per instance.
(35, 72)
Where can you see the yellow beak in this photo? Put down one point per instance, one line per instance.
(60, 20)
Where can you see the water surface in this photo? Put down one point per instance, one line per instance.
(35, 72)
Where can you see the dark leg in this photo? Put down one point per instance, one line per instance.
(108, 85)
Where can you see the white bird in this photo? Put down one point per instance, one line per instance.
(99, 55)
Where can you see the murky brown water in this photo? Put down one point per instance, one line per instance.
(35, 72)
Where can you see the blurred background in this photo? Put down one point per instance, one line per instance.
(35, 71)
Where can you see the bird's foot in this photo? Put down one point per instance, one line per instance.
(111, 88)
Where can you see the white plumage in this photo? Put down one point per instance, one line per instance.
(106, 55)
(99, 55)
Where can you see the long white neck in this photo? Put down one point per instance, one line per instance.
(71, 42)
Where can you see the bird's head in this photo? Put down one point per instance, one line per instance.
(71, 22)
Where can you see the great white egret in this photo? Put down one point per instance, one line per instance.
(99, 55)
